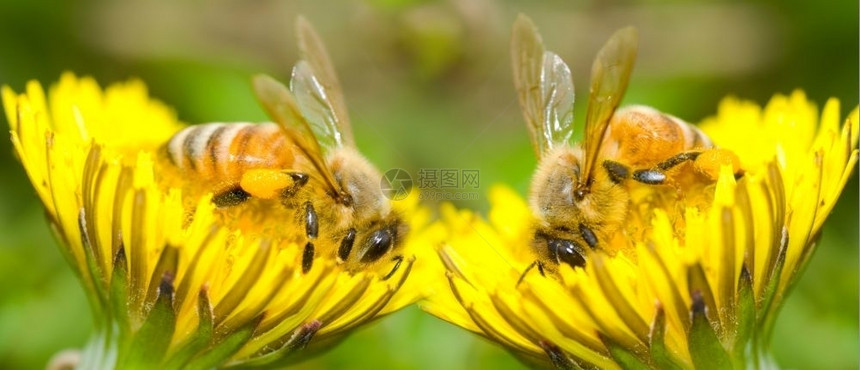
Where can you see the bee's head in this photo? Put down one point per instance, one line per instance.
(377, 229)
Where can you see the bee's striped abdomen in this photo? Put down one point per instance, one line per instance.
(223, 151)
(694, 138)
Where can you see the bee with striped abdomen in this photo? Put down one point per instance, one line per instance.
(580, 194)
(307, 160)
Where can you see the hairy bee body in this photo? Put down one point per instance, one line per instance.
(637, 137)
(580, 194)
(302, 172)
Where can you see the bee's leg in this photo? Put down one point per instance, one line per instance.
(678, 159)
(398, 260)
(540, 268)
(311, 229)
(531, 266)
(230, 197)
(657, 175)
(311, 224)
(650, 177)
(617, 172)
(588, 235)
(346, 245)
(299, 180)
(308, 257)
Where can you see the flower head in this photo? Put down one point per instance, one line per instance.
(168, 284)
(698, 279)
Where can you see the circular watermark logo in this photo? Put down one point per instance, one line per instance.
(396, 184)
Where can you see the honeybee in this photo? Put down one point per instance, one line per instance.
(306, 160)
(580, 194)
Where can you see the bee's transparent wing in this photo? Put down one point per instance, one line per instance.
(610, 74)
(544, 87)
(557, 89)
(318, 92)
(281, 106)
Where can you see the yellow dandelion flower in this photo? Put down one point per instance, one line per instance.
(705, 279)
(168, 286)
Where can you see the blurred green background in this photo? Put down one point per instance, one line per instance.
(428, 86)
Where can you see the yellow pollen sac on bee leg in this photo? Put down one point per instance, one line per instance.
(709, 162)
(266, 183)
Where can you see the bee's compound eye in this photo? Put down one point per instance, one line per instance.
(567, 251)
(377, 245)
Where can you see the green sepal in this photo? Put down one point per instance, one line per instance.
(168, 262)
(660, 355)
(61, 238)
(558, 358)
(151, 341)
(625, 358)
(95, 273)
(698, 284)
(218, 353)
(119, 297)
(87, 222)
(298, 340)
(745, 317)
(766, 314)
(202, 337)
(704, 344)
